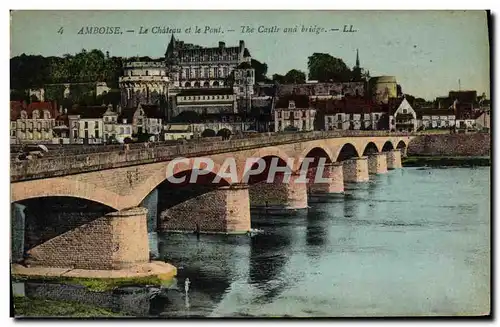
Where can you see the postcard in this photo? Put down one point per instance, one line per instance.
(255, 164)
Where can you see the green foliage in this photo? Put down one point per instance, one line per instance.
(83, 67)
(208, 133)
(260, 70)
(19, 95)
(54, 93)
(26, 307)
(294, 76)
(324, 68)
(187, 117)
(98, 284)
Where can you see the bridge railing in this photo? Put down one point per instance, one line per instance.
(125, 155)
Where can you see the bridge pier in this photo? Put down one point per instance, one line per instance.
(335, 175)
(356, 170)
(279, 195)
(223, 210)
(118, 240)
(394, 159)
(377, 163)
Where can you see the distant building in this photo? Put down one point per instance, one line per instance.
(294, 114)
(209, 71)
(483, 120)
(205, 101)
(436, 118)
(383, 88)
(351, 114)
(32, 123)
(86, 124)
(145, 119)
(402, 117)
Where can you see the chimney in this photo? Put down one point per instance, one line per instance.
(65, 111)
(222, 44)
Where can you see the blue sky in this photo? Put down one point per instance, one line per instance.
(427, 51)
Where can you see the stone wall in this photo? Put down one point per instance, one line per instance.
(115, 241)
(222, 210)
(477, 144)
(119, 156)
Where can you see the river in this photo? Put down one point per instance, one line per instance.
(414, 241)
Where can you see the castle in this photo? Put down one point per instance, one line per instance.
(190, 77)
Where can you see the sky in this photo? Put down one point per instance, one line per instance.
(427, 51)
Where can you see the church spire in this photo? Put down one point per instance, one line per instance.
(171, 45)
(357, 58)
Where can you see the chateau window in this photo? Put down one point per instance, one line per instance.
(86, 134)
(86, 124)
(96, 124)
(147, 73)
(404, 111)
(216, 72)
(39, 125)
(121, 130)
(206, 73)
(339, 117)
(96, 133)
(46, 114)
(36, 114)
(224, 72)
(75, 134)
(24, 115)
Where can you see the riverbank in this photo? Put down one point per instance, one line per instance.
(446, 161)
(152, 273)
(37, 308)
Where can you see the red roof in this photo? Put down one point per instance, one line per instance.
(17, 106)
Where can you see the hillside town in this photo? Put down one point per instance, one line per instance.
(221, 91)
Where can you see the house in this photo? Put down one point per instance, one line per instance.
(145, 119)
(205, 101)
(431, 118)
(351, 114)
(294, 113)
(86, 124)
(32, 123)
(402, 117)
(177, 131)
(61, 129)
(483, 120)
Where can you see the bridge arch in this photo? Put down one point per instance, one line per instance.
(64, 187)
(179, 170)
(370, 148)
(401, 145)
(388, 146)
(347, 151)
(314, 151)
(47, 217)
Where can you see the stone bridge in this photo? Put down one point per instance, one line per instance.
(89, 209)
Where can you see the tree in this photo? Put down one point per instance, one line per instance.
(260, 70)
(324, 68)
(279, 78)
(208, 133)
(224, 133)
(295, 76)
(187, 117)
